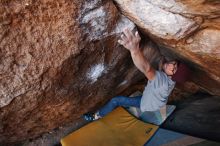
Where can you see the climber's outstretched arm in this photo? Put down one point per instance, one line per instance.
(131, 42)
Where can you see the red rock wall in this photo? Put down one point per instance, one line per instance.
(59, 59)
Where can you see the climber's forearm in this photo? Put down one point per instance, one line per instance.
(142, 63)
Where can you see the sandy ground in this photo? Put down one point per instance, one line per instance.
(53, 138)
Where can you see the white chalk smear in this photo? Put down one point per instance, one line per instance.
(123, 83)
(95, 72)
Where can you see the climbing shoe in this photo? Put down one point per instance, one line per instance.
(89, 117)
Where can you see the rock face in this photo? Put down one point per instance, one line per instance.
(197, 116)
(59, 59)
(190, 29)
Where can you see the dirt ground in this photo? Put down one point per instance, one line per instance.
(53, 138)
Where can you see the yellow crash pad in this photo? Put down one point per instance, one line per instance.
(118, 128)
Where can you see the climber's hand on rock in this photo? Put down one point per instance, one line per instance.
(129, 40)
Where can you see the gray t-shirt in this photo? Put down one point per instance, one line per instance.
(156, 92)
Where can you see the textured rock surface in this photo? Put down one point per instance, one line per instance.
(59, 59)
(198, 116)
(190, 29)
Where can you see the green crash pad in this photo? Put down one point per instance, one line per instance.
(118, 128)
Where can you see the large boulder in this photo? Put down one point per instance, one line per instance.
(196, 115)
(189, 30)
(59, 59)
